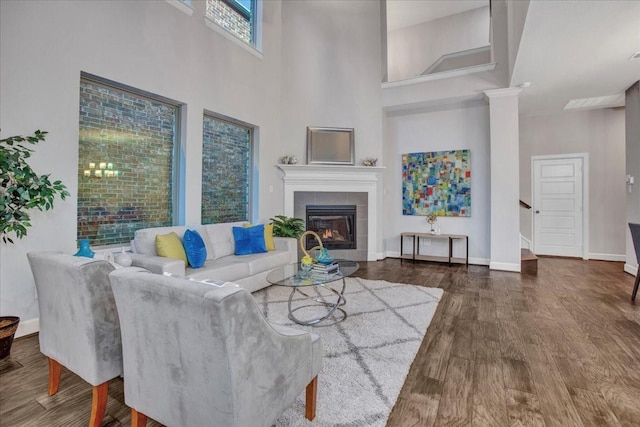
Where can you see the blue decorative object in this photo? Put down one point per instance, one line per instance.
(194, 247)
(84, 250)
(249, 240)
(324, 257)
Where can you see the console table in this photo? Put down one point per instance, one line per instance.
(415, 253)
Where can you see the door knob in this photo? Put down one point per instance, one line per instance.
(537, 211)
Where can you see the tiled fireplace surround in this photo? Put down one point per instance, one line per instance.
(337, 185)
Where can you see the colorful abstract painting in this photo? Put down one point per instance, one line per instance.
(436, 183)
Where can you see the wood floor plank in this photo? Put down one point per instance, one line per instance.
(517, 375)
(555, 402)
(438, 349)
(463, 341)
(523, 409)
(456, 405)
(416, 412)
(593, 409)
(489, 406)
(511, 340)
(623, 401)
(573, 374)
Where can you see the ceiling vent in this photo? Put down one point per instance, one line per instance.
(597, 102)
(635, 56)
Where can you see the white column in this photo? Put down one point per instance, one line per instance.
(505, 179)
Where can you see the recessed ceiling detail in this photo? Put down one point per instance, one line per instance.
(596, 102)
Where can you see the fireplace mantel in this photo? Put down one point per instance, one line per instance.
(338, 179)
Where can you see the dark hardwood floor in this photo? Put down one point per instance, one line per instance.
(558, 349)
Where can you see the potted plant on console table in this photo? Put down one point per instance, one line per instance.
(21, 189)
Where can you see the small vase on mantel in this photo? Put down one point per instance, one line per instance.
(84, 250)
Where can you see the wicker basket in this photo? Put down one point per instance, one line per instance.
(8, 327)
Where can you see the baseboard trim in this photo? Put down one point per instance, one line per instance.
(28, 327)
(607, 257)
(504, 266)
(631, 269)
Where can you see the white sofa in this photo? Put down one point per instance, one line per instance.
(249, 271)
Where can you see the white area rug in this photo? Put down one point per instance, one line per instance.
(366, 356)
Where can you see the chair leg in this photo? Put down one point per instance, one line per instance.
(98, 404)
(310, 401)
(55, 370)
(635, 287)
(138, 419)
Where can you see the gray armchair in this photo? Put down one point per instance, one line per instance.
(79, 326)
(196, 354)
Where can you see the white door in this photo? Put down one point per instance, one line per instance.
(557, 206)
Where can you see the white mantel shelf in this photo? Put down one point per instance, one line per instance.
(338, 179)
(330, 170)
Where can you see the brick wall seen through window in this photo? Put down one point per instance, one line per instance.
(125, 174)
(235, 16)
(226, 160)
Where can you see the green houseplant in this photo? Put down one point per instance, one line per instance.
(284, 226)
(21, 188)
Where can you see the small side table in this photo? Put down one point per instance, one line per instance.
(415, 253)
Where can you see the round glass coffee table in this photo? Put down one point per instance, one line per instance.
(292, 276)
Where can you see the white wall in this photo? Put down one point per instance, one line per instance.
(331, 74)
(155, 47)
(462, 128)
(411, 50)
(601, 134)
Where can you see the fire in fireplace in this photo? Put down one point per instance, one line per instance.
(335, 224)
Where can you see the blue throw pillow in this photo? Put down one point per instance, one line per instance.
(195, 248)
(249, 240)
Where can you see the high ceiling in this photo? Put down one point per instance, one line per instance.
(405, 13)
(576, 49)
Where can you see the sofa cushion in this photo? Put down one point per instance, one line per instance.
(263, 262)
(194, 247)
(170, 246)
(227, 269)
(145, 239)
(249, 240)
(220, 237)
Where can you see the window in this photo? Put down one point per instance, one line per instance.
(127, 153)
(236, 16)
(226, 171)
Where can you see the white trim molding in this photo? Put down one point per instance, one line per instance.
(505, 266)
(506, 91)
(337, 179)
(631, 269)
(607, 257)
(442, 75)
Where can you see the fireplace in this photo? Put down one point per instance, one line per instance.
(335, 224)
